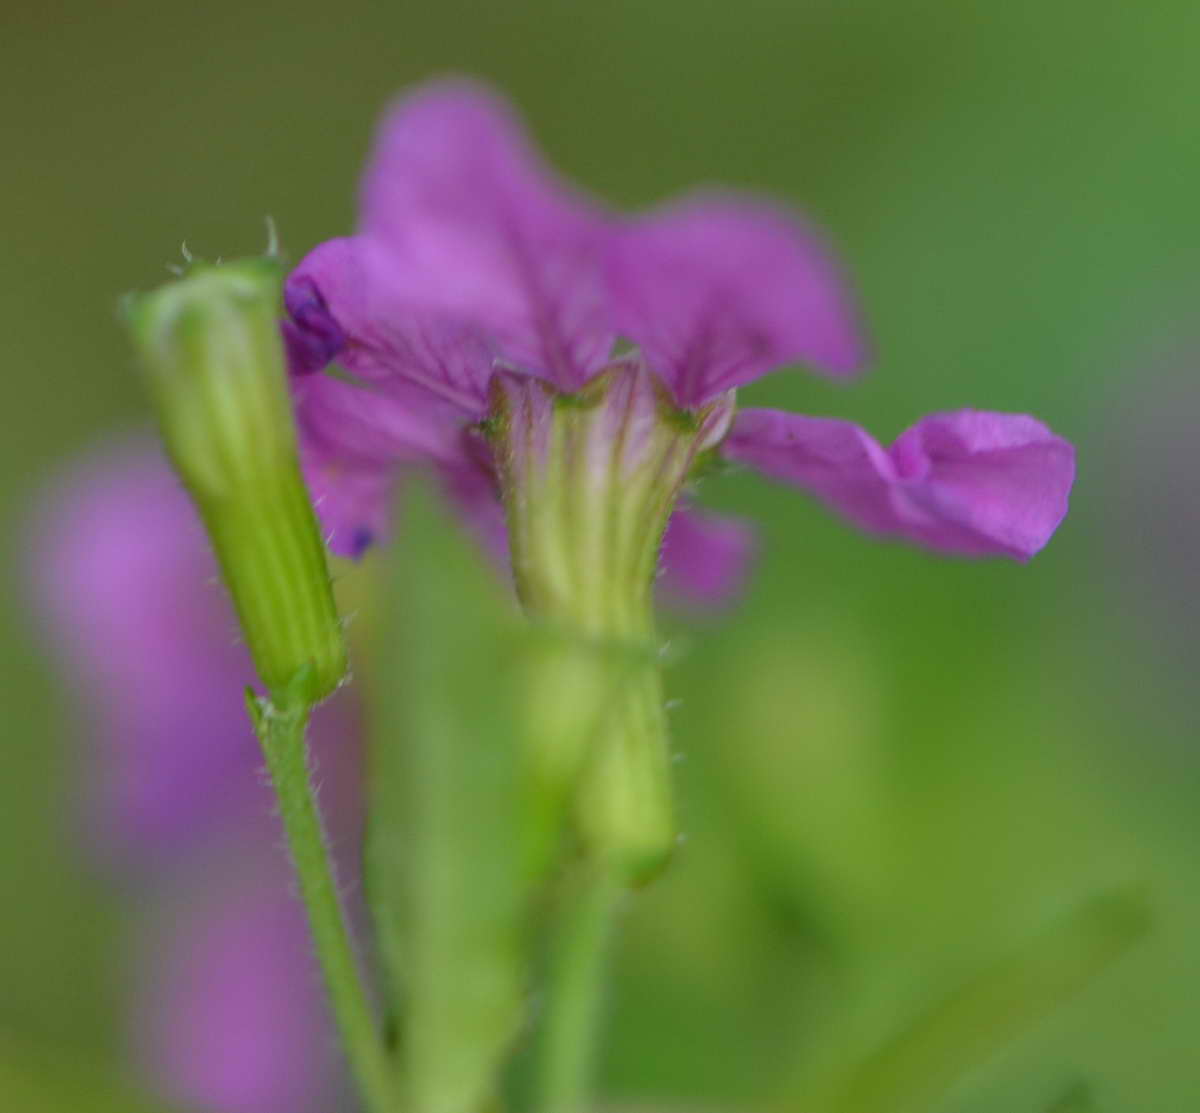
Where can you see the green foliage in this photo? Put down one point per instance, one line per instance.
(996, 1006)
(455, 847)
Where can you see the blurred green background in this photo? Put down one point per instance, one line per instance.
(900, 772)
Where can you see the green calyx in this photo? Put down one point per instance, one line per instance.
(589, 482)
(212, 353)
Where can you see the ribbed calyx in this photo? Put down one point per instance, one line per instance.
(214, 362)
(589, 481)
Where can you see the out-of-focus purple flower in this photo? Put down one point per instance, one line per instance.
(232, 1018)
(706, 555)
(229, 1010)
(127, 584)
(129, 592)
(471, 257)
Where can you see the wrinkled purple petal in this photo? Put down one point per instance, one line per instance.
(368, 424)
(353, 437)
(394, 331)
(229, 1015)
(705, 558)
(968, 482)
(458, 193)
(720, 290)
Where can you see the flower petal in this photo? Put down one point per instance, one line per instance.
(719, 290)
(353, 437)
(353, 502)
(474, 492)
(456, 190)
(355, 299)
(705, 558)
(968, 482)
(368, 424)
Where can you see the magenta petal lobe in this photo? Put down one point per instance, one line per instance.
(458, 193)
(368, 424)
(352, 440)
(391, 327)
(970, 482)
(720, 290)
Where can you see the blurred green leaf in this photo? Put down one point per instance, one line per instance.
(996, 1006)
(449, 869)
(1077, 1099)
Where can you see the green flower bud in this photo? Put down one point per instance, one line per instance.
(214, 361)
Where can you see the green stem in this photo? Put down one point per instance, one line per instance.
(281, 731)
(574, 992)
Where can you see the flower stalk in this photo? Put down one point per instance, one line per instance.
(281, 733)
(574, 992)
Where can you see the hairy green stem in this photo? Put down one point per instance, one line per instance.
(281, 731)
(574, 992)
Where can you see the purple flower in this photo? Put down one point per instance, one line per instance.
(128, 591)
(230, 1016)
(474, 265)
